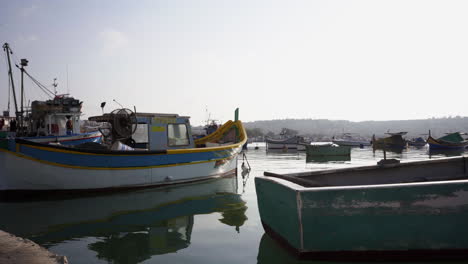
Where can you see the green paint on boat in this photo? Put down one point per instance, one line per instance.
(328, 150)
(452, 138)
(278, 208)
(416, 206)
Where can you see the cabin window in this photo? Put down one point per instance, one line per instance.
(177, 135)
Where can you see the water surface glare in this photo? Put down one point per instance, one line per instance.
(211, 222)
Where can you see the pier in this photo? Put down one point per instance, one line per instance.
(15, 249)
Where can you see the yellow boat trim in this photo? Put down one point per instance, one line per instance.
(108, 168)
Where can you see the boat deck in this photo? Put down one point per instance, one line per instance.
(446, 169)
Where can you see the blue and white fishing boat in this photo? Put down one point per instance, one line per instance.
(170, 155)
(57, 121)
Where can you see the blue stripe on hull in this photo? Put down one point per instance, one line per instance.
(436, 146)
(81, 141)
(121, 161)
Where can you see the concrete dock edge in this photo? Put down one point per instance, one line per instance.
(15, 249)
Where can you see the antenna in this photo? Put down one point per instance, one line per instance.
(68, 89)
(117, 103)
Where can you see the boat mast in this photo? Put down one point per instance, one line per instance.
(7, 50)
(23, 63)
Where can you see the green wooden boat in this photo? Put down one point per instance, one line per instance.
(327, 150)
(401, 211)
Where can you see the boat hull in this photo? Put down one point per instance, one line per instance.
(22, 174)
(318, 150)
(418, 220)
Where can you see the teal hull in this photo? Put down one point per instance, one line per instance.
(318, 150)
(395, 221)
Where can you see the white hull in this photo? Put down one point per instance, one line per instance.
(18, 173)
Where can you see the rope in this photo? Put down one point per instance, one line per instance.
(244, 159)
(41, 86)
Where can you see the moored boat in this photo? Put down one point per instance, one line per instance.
(393, 141)
(56, 120)
(417, 142)
(415, 210)
(451, 141)
(328, 149)
(347, 139)
(290, 143)
(171, 156)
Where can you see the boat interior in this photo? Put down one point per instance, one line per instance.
(421, 171)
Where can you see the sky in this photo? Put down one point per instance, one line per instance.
(340, 60)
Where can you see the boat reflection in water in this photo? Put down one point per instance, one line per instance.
(270, 252)
(128, 227)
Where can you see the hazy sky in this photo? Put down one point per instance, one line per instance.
(354, 60)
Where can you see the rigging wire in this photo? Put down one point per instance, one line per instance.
(40, 85)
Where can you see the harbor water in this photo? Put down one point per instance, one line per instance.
(216, 221)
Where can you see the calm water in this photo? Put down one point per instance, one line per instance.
(211, 222)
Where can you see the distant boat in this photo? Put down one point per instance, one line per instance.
(393, 141)
(417, 142)
(449, 141)
(329, 149)
(395, 211)
(290, 143)
(347, 139)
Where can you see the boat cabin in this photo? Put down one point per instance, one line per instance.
(154, 131)
(56, 117)
(157, 131)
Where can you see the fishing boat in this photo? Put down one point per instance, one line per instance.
(170, 156)
(327, 149)
(348, 139)
(417, 142)
(451, 141)
(392, 211)
(289, 143)
(393, 141)
(56, 120)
